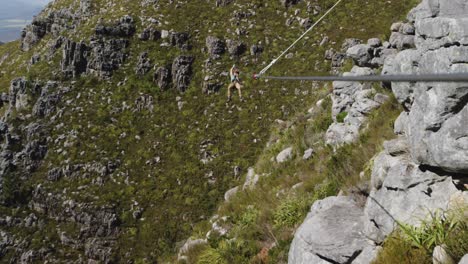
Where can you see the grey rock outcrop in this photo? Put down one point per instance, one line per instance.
(143, 65)
(403, 191)
(182, 72)
(215, 46)
(352, 103)
(106, 56)
(436, 133)
(124, 27)
(150, 34)
(74, 59)
(360, 53)
(47, 101)
(180, 40)
(235, 48)
(86, 7)
(34, 32)
(162, 78)
(418, 172)
(331, 233)
(52, 22)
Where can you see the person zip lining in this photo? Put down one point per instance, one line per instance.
(235, 82)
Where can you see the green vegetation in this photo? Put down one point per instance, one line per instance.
(268, 214)
(180, 193)
(341, 117)
(415, 244)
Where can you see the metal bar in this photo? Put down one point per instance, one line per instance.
(452, 77)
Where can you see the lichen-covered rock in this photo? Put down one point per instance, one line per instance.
(182, 72)
(331, 233)
(124, 27)
(106, 56)
(143, 65)
(162, 78)
(215, 46)
(150, 34)
(180, 40)
(360, 53)
(47, 101)
(34, 32)
(403, 191)
(436, 133)
(74, 59)
(235, 48)
(352, 103)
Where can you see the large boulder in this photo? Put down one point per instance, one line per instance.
(180, 40)
(74, 58)
(403, 192)
(235, 47)
(106, 56)
(331, 233)
(182, 72)
(436, 133)
(144, 64)
(162, 77)
(124, 27)
(215, 46)
(361, 54)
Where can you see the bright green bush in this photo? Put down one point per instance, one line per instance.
(341, 117)
(291, 211)
(211, 256)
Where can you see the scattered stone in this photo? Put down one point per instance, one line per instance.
(308, 154)
(440, 256)
(284, 155)
(230, 193)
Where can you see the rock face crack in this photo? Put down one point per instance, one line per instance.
(327, 259)
(353, 257)
(428, 192)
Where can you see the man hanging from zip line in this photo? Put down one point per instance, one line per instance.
(235, 82)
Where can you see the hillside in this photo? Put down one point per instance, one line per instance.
(119, 143)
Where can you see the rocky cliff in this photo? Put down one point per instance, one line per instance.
(424, 168)
(118, 145)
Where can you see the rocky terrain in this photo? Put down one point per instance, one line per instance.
(118, 145)
(424, 168)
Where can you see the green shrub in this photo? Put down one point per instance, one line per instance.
(291, 211)
(211, 256)
(412, 244)
(249, 217)
(432, 232)
(396, 249)
(341, 117)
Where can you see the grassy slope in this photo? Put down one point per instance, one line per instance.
(175, 193)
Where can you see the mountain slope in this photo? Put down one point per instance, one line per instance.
(105, 158)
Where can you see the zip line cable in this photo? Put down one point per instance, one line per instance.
(295, 42)
(445, 77)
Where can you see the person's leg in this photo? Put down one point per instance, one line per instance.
(239, 87)
(231, 85)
